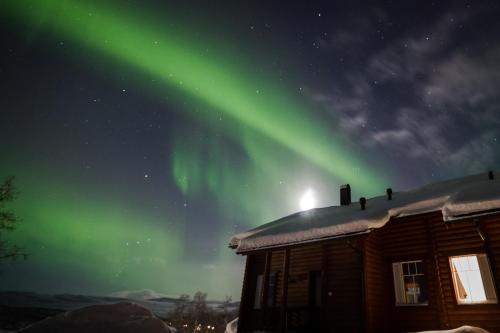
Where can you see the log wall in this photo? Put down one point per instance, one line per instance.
(428, 238)
(357, 279)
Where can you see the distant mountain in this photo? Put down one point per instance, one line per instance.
(160, 305)
(72, 302)
(145, 294)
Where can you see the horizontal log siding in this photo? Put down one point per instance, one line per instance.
(375, 286)
(424, 237)
(343, 311)
(277, 266)
(462, 237)
(402, 239)
(302, 260)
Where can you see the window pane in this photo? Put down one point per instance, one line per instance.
(413, 268)
(471, 278)
(406, 271)
(420, 268)
(473, 264)
(413, 289)
(421, 283)
(409, 283)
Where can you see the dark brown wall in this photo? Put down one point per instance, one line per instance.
(302, 260)
(348, 309)
(375, 285)
(427, 237)
(339, 259)
(249, 317)
(401, 239)
(462, 237)
(343, 310)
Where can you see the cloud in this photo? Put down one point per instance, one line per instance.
(450, 118)
(465, 82)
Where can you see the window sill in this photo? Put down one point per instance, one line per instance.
(408, 305)
(478, 303)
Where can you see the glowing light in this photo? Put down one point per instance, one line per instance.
(307, 201)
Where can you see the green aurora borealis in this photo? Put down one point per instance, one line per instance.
(262, 148)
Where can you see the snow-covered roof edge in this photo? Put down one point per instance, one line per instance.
(457, 199)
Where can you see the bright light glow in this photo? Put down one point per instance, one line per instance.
(472, 279)
(307, 201)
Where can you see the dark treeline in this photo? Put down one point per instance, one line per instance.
(194, 315)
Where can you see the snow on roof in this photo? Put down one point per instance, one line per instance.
(457, 198)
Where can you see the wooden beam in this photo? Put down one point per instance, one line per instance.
(244, 292)
(265, 282)
(284, 290)
(324, 281)
(265, 286)
(441, 302)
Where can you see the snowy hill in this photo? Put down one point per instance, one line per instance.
(159, 306)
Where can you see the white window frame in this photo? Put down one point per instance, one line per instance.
(399, 285)
(485, 273)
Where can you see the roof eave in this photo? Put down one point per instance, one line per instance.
(309, 241)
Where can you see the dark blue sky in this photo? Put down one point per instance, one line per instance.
(409, 88)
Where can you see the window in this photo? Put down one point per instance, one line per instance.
(472, 279)
(271, 288)
(409, 283)
(258, 291)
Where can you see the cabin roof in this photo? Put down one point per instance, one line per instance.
(456, 199)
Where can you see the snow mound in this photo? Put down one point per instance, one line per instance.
(108, 318)
(463, 329)
(232, 326)
(455, 199)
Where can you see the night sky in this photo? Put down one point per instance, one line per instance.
(143, 134)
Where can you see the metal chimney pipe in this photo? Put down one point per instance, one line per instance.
(362, 202)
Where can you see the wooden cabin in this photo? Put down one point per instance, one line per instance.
(424, 259)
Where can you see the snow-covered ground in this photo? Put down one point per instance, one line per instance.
(463, 329)
(232, 326)
(107, 318)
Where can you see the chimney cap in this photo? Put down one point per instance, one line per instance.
(388, 191)
(362, 202)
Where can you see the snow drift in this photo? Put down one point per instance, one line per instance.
(108, 318)
(455, 199)
(463, 329)
(232, 326)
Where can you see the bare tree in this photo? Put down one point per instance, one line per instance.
(8, 222)
(194, 315)
(227, 315)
